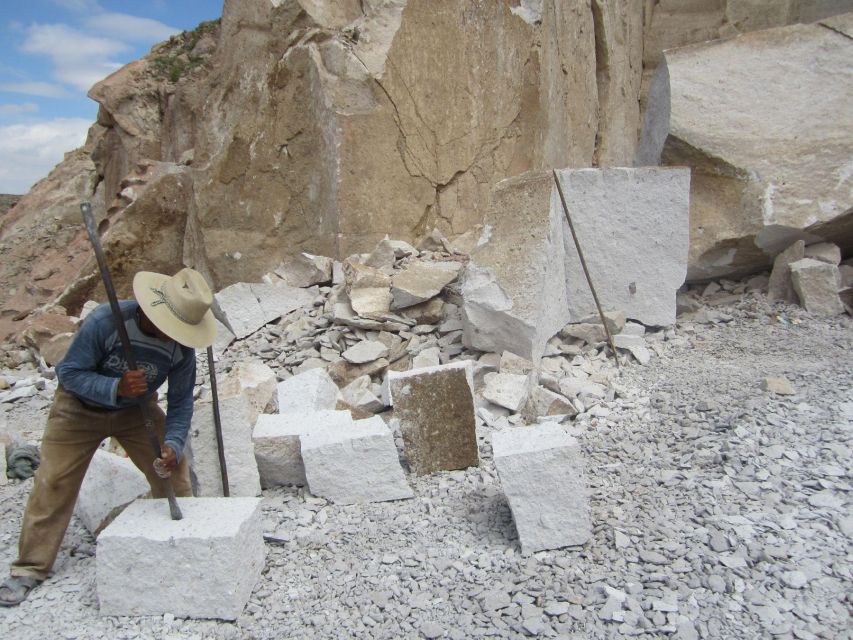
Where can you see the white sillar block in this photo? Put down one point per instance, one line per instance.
(312, 390)
(237, 417)
(111, 483)
(541, 469)
(353, 464)
(203, 566)
(277, 448)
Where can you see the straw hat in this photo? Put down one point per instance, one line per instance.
(178, 305)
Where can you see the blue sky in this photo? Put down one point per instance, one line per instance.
(51, 52)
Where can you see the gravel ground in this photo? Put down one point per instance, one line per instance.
(720, 510)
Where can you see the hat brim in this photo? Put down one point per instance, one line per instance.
(196, 336)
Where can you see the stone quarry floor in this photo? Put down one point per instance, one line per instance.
(720, 511)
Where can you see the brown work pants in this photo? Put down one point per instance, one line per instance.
(70, 439)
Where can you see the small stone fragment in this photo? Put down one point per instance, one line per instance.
(365, 351)
(778, 385)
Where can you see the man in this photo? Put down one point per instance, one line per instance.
(98, 397)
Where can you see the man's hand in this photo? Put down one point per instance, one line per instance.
(133, 384)
(167, 462)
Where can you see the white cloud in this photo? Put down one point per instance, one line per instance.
(29, 151)
(79, 59)
(130, 28)
(42, 89)
(10, 109)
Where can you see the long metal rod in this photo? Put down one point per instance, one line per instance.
(217, 423)
(89, 221)
(583, 265)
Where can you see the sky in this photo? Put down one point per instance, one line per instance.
(52, 52)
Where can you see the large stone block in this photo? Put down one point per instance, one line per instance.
(541, 470)
(633, 229)
(111, 483)
(312, 390)
(277, 444)
(435, 406)
(203, 566)
(237, 418)
(528, 282)
(754, 191)
(354, 463)
(515, 289)
(246, 307)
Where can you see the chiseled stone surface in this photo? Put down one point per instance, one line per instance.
(111, 483)
(816, 284)
(237, 418)
(354, 463)
(633, 228)
(202, 566)
(312, 390)
(277, 447)
(541, 469)
(435, 407)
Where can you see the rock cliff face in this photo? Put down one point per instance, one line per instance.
(315, 125)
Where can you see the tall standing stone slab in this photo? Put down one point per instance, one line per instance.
(312, 390)
(277, 443)
(514, 289)
(781, 286)
(238, 418)
(541, 470)
(202, 566)
(354, 463)
(111, 483)
(633, 228)
(435, 406)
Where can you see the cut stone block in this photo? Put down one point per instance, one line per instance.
(509, 390)
(633, 228)
(435, 407)
(111, 483)
(305, 269)
(816, 284)
(541, 470)
(202, 566)
(237, 417)
(421, 281)
(277, 447)
(354, 463)
(244, 308)
(311, 390)
(781, 286)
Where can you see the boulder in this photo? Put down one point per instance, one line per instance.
(435, 407)
(824, 251)
(305, 269)
(111, 483)
(755, 191)
(541, 469)
(354, 463)
(542, 402)
(816, 284)
(312, 390)
(509, 390)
